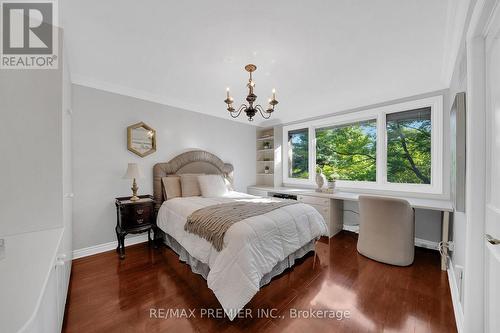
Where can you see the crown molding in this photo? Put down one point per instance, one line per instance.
(149, 97)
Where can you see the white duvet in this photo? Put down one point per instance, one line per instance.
(252, 247)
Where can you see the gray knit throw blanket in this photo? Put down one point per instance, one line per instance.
(212, 222)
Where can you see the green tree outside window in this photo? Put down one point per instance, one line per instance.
(409, 147)
(348, 152)
(298, 142)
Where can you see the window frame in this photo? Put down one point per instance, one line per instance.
(379, 114)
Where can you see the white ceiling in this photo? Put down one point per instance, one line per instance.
(321, 56)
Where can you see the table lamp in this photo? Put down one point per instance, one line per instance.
(134, 172)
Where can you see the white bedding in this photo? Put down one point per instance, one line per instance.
(252, 247)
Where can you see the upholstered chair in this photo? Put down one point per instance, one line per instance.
(386, 230)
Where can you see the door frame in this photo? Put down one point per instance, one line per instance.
(474, 277)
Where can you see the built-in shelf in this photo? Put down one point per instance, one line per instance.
(265, 156)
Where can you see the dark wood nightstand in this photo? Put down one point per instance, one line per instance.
(134, 217)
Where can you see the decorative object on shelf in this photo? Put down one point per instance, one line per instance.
(321, 180)
(141, 139)
(266, 169)
(133, 172)
(331, 186)
(251, 110)
(267, 145)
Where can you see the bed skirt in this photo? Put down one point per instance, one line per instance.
(201, 268)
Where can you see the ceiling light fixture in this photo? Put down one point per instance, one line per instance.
(251, 110)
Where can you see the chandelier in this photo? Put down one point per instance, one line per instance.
(251, 110)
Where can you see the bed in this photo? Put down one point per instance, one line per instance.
(254, 250)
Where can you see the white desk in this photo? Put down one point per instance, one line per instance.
(444, 206)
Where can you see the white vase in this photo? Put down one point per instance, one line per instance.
(320, 180)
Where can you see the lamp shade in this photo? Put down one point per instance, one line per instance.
(133, 172)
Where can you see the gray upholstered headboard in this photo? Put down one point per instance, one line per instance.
(195, 161)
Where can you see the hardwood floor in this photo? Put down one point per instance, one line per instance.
(109, 295)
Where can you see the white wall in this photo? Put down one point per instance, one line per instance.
(100, 154)
(30, 150)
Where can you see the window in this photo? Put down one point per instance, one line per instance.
(298, 143)
(391, 148)
(348, 152)
(409, 146)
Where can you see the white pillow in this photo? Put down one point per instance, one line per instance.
(212, 186)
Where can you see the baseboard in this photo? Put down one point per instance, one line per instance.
(427, 244)
(455, 298)
(351, 228)
(418, 241)
(91, 250)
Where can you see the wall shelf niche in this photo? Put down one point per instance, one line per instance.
(268, 145)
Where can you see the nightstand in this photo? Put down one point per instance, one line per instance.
(134, 217)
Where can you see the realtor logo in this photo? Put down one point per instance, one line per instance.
(29, 35)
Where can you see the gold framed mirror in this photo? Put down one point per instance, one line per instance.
(141, 139)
